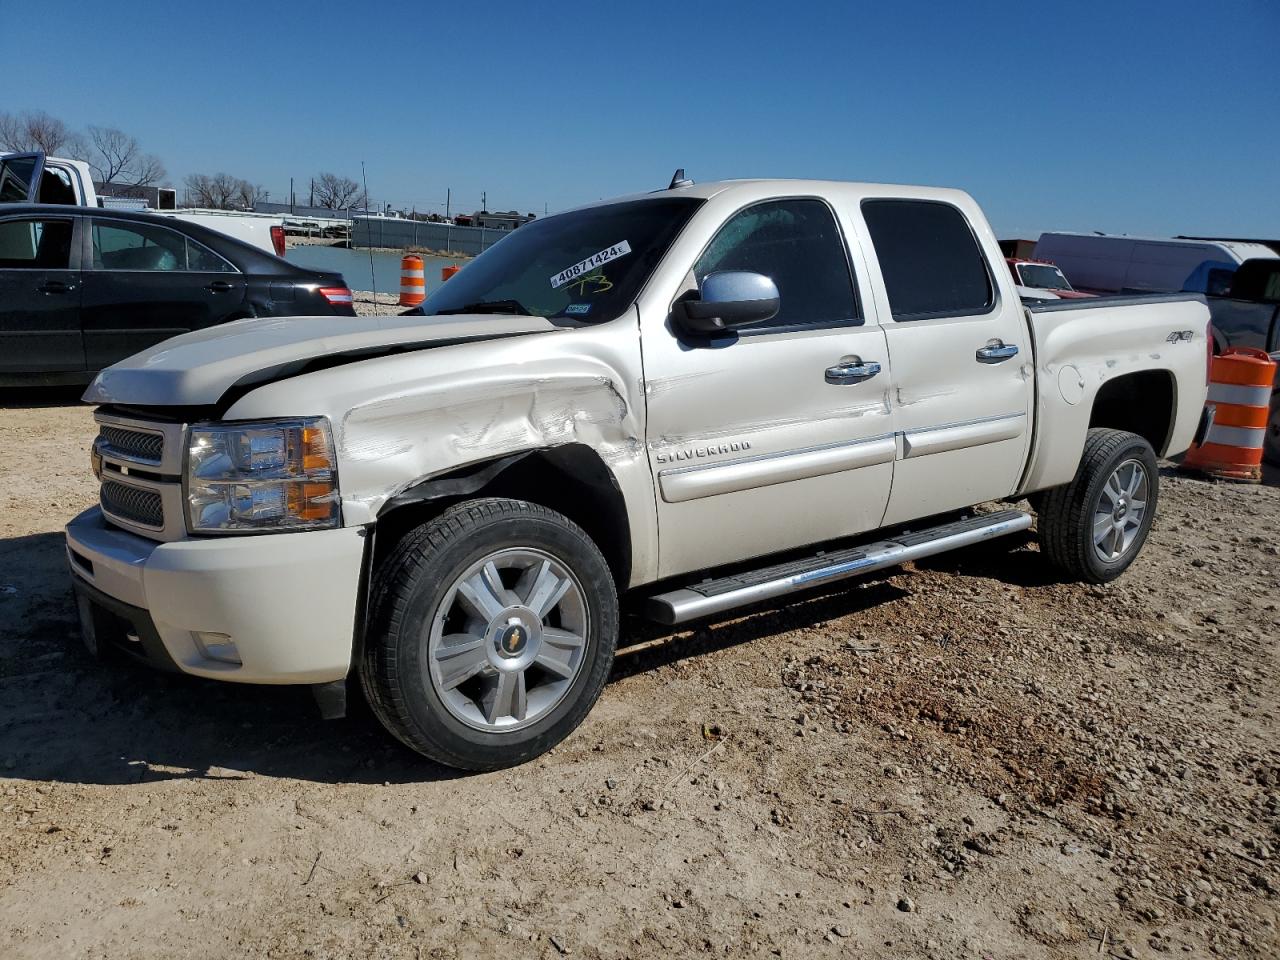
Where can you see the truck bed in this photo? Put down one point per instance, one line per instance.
(1082, 346)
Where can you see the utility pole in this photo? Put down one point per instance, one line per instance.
(484, 202)
(448, 198)
(312, 201)
(291, 196)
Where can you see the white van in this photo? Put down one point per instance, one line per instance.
(1106, 263)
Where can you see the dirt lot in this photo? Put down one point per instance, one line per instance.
(962, 759)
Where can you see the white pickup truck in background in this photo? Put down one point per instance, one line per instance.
(36, 178)
(705, 397)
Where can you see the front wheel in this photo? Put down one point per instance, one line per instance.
(1093, 528)
(492, 632)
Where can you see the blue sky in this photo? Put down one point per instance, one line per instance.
(1137, 117)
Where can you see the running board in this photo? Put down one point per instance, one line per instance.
(716, 596)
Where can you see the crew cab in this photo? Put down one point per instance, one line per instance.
(36, 178)
(698, 399)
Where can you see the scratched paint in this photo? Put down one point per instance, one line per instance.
(911, 399)
(408, 438)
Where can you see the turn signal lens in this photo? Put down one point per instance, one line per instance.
(316, 454)
(310, 501)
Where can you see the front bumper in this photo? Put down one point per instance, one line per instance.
(287, 601)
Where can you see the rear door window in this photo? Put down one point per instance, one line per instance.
(137, 247)
(35, 244)
(930, 259)
(797, 245)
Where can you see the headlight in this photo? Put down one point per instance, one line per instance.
(278, 475)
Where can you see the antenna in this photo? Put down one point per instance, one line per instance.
(679, 180)
(368, 226)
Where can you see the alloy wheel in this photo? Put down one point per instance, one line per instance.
(1121, 508)
(508, 640)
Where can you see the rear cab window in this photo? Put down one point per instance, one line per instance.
(930, 259)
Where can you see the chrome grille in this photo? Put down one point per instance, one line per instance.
(132, 504)
(141, 467)
(133, 444)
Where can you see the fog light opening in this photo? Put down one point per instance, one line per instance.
(217, 646)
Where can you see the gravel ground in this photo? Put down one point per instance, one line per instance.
(368, 304)
(961, 759)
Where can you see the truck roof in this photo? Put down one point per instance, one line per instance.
(783, 187)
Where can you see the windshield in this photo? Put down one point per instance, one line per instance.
(587, 265)
(1043, 275)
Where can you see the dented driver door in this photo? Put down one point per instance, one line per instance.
(779, 435)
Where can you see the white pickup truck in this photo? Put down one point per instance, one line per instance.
(705, 397)
(36, 178)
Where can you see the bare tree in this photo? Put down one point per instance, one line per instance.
(147, 169)
(222, 191)
(116, 157)
(249, 194)
(338, 193)
(37, 130)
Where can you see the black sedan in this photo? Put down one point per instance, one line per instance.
(81, 288)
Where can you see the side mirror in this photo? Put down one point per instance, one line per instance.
(727, 300)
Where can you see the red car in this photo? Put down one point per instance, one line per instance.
(1043, 276)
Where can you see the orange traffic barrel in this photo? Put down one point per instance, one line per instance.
(1240, 383)
(449, 271)
(413, 281)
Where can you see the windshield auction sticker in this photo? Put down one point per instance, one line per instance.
(591, 263)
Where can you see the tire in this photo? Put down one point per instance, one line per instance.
(1271, 440)
(1068, 514)
(473, 686)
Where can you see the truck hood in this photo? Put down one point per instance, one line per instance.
(199, 368)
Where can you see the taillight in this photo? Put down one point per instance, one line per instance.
(277, 239)
(337, 296)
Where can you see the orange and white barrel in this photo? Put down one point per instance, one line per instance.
(1240, 383)
(413, 280)
(449, 271)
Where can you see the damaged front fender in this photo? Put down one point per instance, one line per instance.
(401, 421)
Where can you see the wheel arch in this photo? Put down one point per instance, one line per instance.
(1144, 402)
(571, 479)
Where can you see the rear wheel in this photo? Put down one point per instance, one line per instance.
(492, 633)
(1095, 526)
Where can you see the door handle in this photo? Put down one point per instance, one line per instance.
(218, 286)
(852, 370)
(997, 351)
(56, 286)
